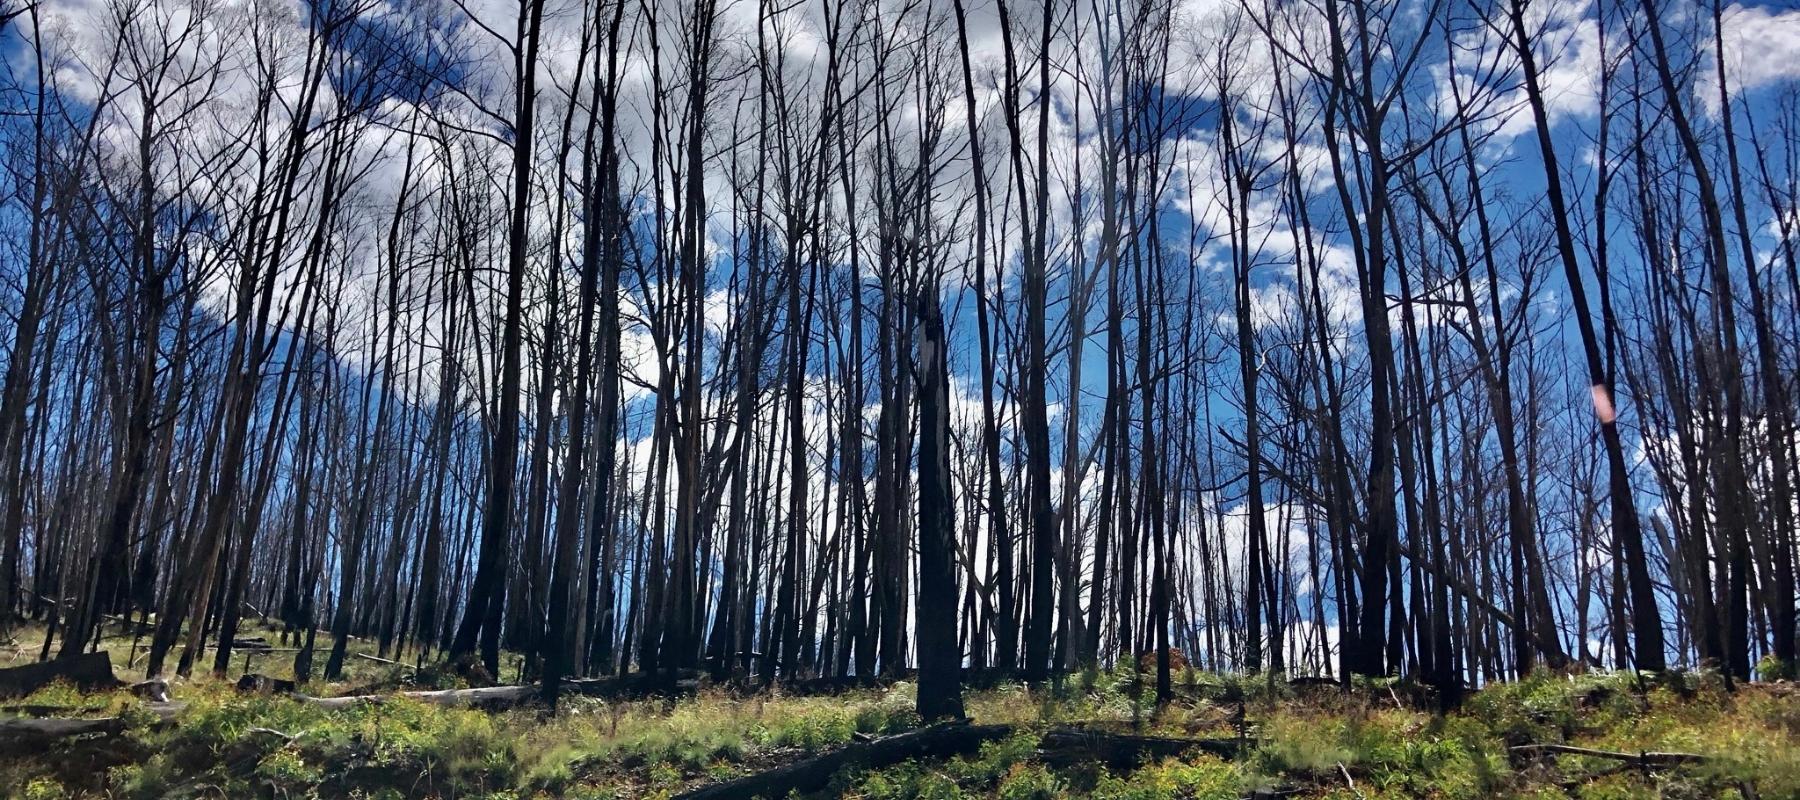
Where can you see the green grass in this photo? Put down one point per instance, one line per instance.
(129, 652)
(1358, 747)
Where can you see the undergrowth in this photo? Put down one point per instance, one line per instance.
(1369, 744)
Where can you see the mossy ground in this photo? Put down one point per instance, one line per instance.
(1317, 744)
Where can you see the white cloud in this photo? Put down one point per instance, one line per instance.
(1762, 48)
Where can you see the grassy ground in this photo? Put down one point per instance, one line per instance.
(1321, 745)
(128, 652)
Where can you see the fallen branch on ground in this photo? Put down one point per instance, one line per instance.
(1067, 745)
(1644, 758)
(937, 741)
(492, 698)
(26, 729)
(380, 660)
(1349, 781)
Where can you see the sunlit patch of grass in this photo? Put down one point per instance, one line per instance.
(1312, 744)
(1750, 736)
(713, 727)
(1409, 752)
(994, 761)
(1302, 745)
(360, 675)
(1201, 779)
(1030, 782)
(1007, 770)
(908, 780)
(71, 701)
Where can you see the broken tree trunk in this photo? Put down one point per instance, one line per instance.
(85, 671)
(938, 741)
(19, 730)
(26, 733)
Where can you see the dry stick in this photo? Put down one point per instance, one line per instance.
(1345, 771)
(1124, 749)
(1642, 758)
(378, 659)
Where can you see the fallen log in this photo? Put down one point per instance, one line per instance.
(41, 710)
(489, 697)
(379, 660)
(26, 730)
(1642, 758)
(30, 733)
(498, 698)
(937, 741)
(1071, 745)
(86, 671)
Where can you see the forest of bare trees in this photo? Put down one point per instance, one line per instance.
(1442, 339)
